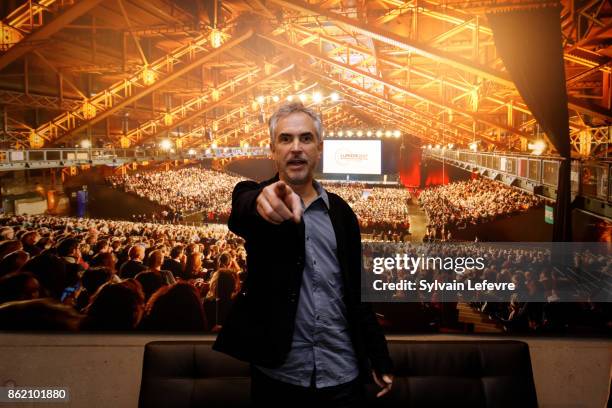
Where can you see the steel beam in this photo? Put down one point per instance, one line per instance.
(44, 32)
(194, 108)
(157, 84)
(395, 40)
(442, 105)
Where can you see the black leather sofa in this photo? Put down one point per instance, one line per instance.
(491, 374)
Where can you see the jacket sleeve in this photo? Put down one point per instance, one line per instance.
(244, 217)
(374, 338)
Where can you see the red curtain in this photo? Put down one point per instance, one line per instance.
(410, 166)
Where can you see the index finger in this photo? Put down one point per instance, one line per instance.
(295, 206)
(281, 189)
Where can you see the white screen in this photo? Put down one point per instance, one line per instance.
(352, 156)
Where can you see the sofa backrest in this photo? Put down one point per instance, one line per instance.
(427, 374)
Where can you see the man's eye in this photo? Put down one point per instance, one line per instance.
(306, 138)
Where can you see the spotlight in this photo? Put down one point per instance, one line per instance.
(85, 144)
(260, 99)
(275, 98)
(473, 146)
(537, 148)
(388, 133)
(215, 94)
(215, 38)
(379, 133)
(369, 133)
(191, 152)
(165, 144)
(359, 133)
(317, 97)
(334, 97)
(302, 97)
(331, 134)
(214, 145)
(148, 76)
(340, 133)
(349, 133)
(397, 133)
(290, 98)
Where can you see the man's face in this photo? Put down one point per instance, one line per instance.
(297, 148)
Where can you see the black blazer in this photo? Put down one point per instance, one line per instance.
(259, 327)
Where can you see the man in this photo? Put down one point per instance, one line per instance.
(299, 320)
(175, 263)
(29, 240)
(134, 264)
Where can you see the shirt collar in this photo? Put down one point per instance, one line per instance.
(321, 192)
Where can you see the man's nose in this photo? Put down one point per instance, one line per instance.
(296, 145)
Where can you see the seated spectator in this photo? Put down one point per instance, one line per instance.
(91, 281)
(69, 250)
(107, 260)
(150, 282)
(134, 264)
(6, 247)
(175, 308)
(176, 261)
(50, 270)
(154, 262)
(38, 314)
(224, 286)
(115, 307)
(29, 240)
(13, 262)
(193, 266)
(19, 286)
(7, 234)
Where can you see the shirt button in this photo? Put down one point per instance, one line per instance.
(307, 238)
(315, 262)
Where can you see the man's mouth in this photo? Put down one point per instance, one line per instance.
(296, 162)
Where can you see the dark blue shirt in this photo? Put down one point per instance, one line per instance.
(321, 353)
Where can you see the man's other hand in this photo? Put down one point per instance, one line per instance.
(385, 383)
(278, 202)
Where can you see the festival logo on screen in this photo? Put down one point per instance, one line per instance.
(345, 157)
(352, 156)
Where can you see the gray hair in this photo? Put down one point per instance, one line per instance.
(293, 107)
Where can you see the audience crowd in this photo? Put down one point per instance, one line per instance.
(62, 273)
(382, 211)
(90, 274)
(548, 298)
(184, 191)
(463, 203)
